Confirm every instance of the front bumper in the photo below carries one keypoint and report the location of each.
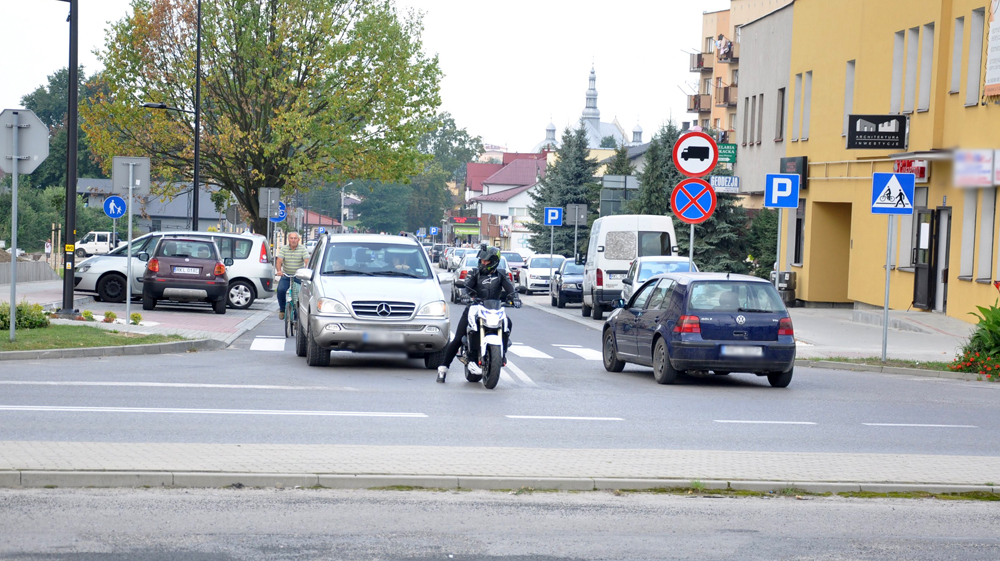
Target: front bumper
(572, 294)
(351, 334)
(536, 283)
(86, 282)
(706, 355)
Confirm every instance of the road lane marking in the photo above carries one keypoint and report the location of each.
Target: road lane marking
(558, 345)
(267, 344)
(506, 378)
(273, 412)
(557, 418)
(520, 374)
(524, 351)
(586, 354)
(173, 385)
(920, 425)
(765, 422)
(282, 337)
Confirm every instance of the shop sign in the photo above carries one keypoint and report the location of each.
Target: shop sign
(973, 168)
(919, 169)
(877, 132)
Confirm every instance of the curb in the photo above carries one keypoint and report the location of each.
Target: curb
(854, 367)
(78, 302)
(125, 479)
(129, 350)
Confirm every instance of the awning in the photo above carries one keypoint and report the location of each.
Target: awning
(930, 155)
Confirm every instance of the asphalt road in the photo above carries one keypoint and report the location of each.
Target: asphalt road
(230, 524)
(555, 393)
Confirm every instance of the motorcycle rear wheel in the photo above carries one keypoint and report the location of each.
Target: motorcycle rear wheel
(491, 367)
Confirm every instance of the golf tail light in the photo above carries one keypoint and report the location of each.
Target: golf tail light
(263, 253)
(600, 278)
(688, 324)
(153, 265)
(220, 269)
(785, 327)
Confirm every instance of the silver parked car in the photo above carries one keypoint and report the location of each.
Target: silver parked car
(368, 292)
(250, 277)
(644, 268)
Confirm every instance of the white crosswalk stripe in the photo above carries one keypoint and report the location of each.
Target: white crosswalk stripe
(586, 354)
(268, 344)
(524, 351)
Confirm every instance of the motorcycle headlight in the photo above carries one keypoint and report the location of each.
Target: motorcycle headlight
(434, 310)
(331, 307)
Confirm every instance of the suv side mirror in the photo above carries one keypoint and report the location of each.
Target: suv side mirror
(228, 261)
(304, 274)
(619, 303)
(143, 256)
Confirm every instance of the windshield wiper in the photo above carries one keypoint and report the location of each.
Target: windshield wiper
(349, 273)
(754, 311)
(395, 274)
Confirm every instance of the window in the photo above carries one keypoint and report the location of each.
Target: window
(908, 229)
(753, 116)
(746, 117)
(912, 44)
(760, 119)
(800, 229)
(718, 124)
(735, 81)
(639, 300)
(806, 102)
(102, 238)
(620, 245)
(956, 55)
(732, 121)
(968, 234)
(984, 271)
(518, 211)
(242, 249)
(975, 57)
(779, 123)
(926, 58)
(660, 295)
(848, 94)
(369, 258)
(707, 89)
(704, 123)
(897, 72)
(709, 45)
(157, 225)
(796, 104)
(732, 296)
(654, 243)
(225, 246)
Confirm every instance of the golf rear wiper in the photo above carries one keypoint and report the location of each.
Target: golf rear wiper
(754, 311)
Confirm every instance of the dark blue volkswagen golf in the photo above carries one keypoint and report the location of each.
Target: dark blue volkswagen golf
(702, 322)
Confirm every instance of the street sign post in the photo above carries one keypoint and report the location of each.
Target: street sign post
(22, 151)
(696, 154)
(693, 202)
(576, 213)
(136, 182)
(553, 217)
(434, 231)
(892, 194)
(781, 191)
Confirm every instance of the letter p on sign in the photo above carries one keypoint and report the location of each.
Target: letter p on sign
(781, 191)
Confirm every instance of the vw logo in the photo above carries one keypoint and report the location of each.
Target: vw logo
(741, 319)
(383, 310)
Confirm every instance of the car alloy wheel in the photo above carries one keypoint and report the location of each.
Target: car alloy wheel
(240, 295)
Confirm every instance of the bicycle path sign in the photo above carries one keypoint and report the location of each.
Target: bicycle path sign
(693, 201)
(892, 193)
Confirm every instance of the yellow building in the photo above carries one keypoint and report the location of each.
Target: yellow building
(923, 59)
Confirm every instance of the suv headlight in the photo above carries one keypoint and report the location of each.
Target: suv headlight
(434, 310)
(331, 307)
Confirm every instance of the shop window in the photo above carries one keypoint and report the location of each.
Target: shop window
(800, 229)
(984, 270)
(968, 234)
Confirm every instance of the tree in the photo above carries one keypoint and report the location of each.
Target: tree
(451, 146)
(721, 243)
(762, 241)
(620, 163)
(295, 93)
(659, 176)
(570, 180)
(608, 142)
(428, 198)
(384, 207)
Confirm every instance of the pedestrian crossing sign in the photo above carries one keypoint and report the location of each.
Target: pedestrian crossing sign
(892, 193)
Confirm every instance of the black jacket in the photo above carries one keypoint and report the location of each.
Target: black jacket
(495, 286)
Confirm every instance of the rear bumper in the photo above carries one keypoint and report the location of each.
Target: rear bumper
(605, 296)
(706, 355)
(267, 286)
(185, 291)
(350, 334)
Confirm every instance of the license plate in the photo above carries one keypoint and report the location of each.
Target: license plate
(382, 337)
(742, 350)
(614, 276)
(186, 270)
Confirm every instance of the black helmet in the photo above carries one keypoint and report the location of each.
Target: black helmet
(489, 259)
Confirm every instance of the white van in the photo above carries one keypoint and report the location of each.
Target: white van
(614, 242)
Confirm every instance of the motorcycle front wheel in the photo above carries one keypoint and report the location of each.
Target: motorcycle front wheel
(491, 367)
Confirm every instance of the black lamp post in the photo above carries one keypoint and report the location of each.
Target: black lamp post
(197, 121)
(71, 155)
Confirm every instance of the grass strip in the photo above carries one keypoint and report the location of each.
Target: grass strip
(77, 337)
(892, 362)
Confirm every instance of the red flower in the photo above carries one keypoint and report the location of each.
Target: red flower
(977, 355)
(996, 285)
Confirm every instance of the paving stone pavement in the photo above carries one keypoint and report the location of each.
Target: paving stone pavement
(498, 462)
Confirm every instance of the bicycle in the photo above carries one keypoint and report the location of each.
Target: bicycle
(291, 305)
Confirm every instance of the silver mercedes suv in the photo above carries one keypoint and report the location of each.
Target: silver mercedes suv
(368, 292)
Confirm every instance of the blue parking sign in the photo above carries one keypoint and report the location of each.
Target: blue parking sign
(553, 216)
(781, 190)
(434, 231)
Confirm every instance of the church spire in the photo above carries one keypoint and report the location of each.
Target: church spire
(590, 112)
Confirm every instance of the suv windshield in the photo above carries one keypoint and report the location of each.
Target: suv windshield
(375, 259)
(734, 296)
(543, 262)
(186, 248)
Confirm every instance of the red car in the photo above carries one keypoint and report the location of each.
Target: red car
(185, 270)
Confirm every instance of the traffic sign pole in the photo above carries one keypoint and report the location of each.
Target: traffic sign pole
(13, 233)
(777, 250)
(552, 247)
(885, 316)
(128, 263)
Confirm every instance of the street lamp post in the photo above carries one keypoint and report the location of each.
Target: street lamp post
(69, 283)
(343, 209)
(197, 121)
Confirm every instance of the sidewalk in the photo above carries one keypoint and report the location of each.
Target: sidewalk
(74, 464)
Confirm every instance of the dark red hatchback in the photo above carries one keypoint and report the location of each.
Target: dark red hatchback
(185, 270)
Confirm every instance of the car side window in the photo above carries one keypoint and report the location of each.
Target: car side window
(225, 246)
(639, 300)
(631, 270)
(660, 295)
(242, 249)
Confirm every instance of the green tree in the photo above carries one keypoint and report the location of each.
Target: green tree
(384, 207)
(570, 180)
(659, 176)
(295, 93)
(451, 146)
(429, 197)
(721, 242)
(608, 142)
(762, 241)
(620, 164)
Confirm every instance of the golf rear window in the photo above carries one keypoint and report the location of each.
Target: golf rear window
(733, 296)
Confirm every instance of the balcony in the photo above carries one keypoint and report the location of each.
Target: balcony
(730, 53)
(701, 103)
(726, 96)
(702, 62)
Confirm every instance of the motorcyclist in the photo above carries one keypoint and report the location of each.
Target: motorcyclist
(488, 282)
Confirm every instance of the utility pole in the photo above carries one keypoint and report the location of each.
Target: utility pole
(72, 127)
(197, 124)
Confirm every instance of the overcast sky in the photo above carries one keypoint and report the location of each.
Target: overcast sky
(509, 66)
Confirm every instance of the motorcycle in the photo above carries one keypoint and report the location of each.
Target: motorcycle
(488, 319)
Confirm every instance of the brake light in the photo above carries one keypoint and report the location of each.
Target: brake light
(785, 327)
(688, 324)
(510, 276)
(153, 265)
(461, 276)
(600, 278)
(220, 269)
(263, 253)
